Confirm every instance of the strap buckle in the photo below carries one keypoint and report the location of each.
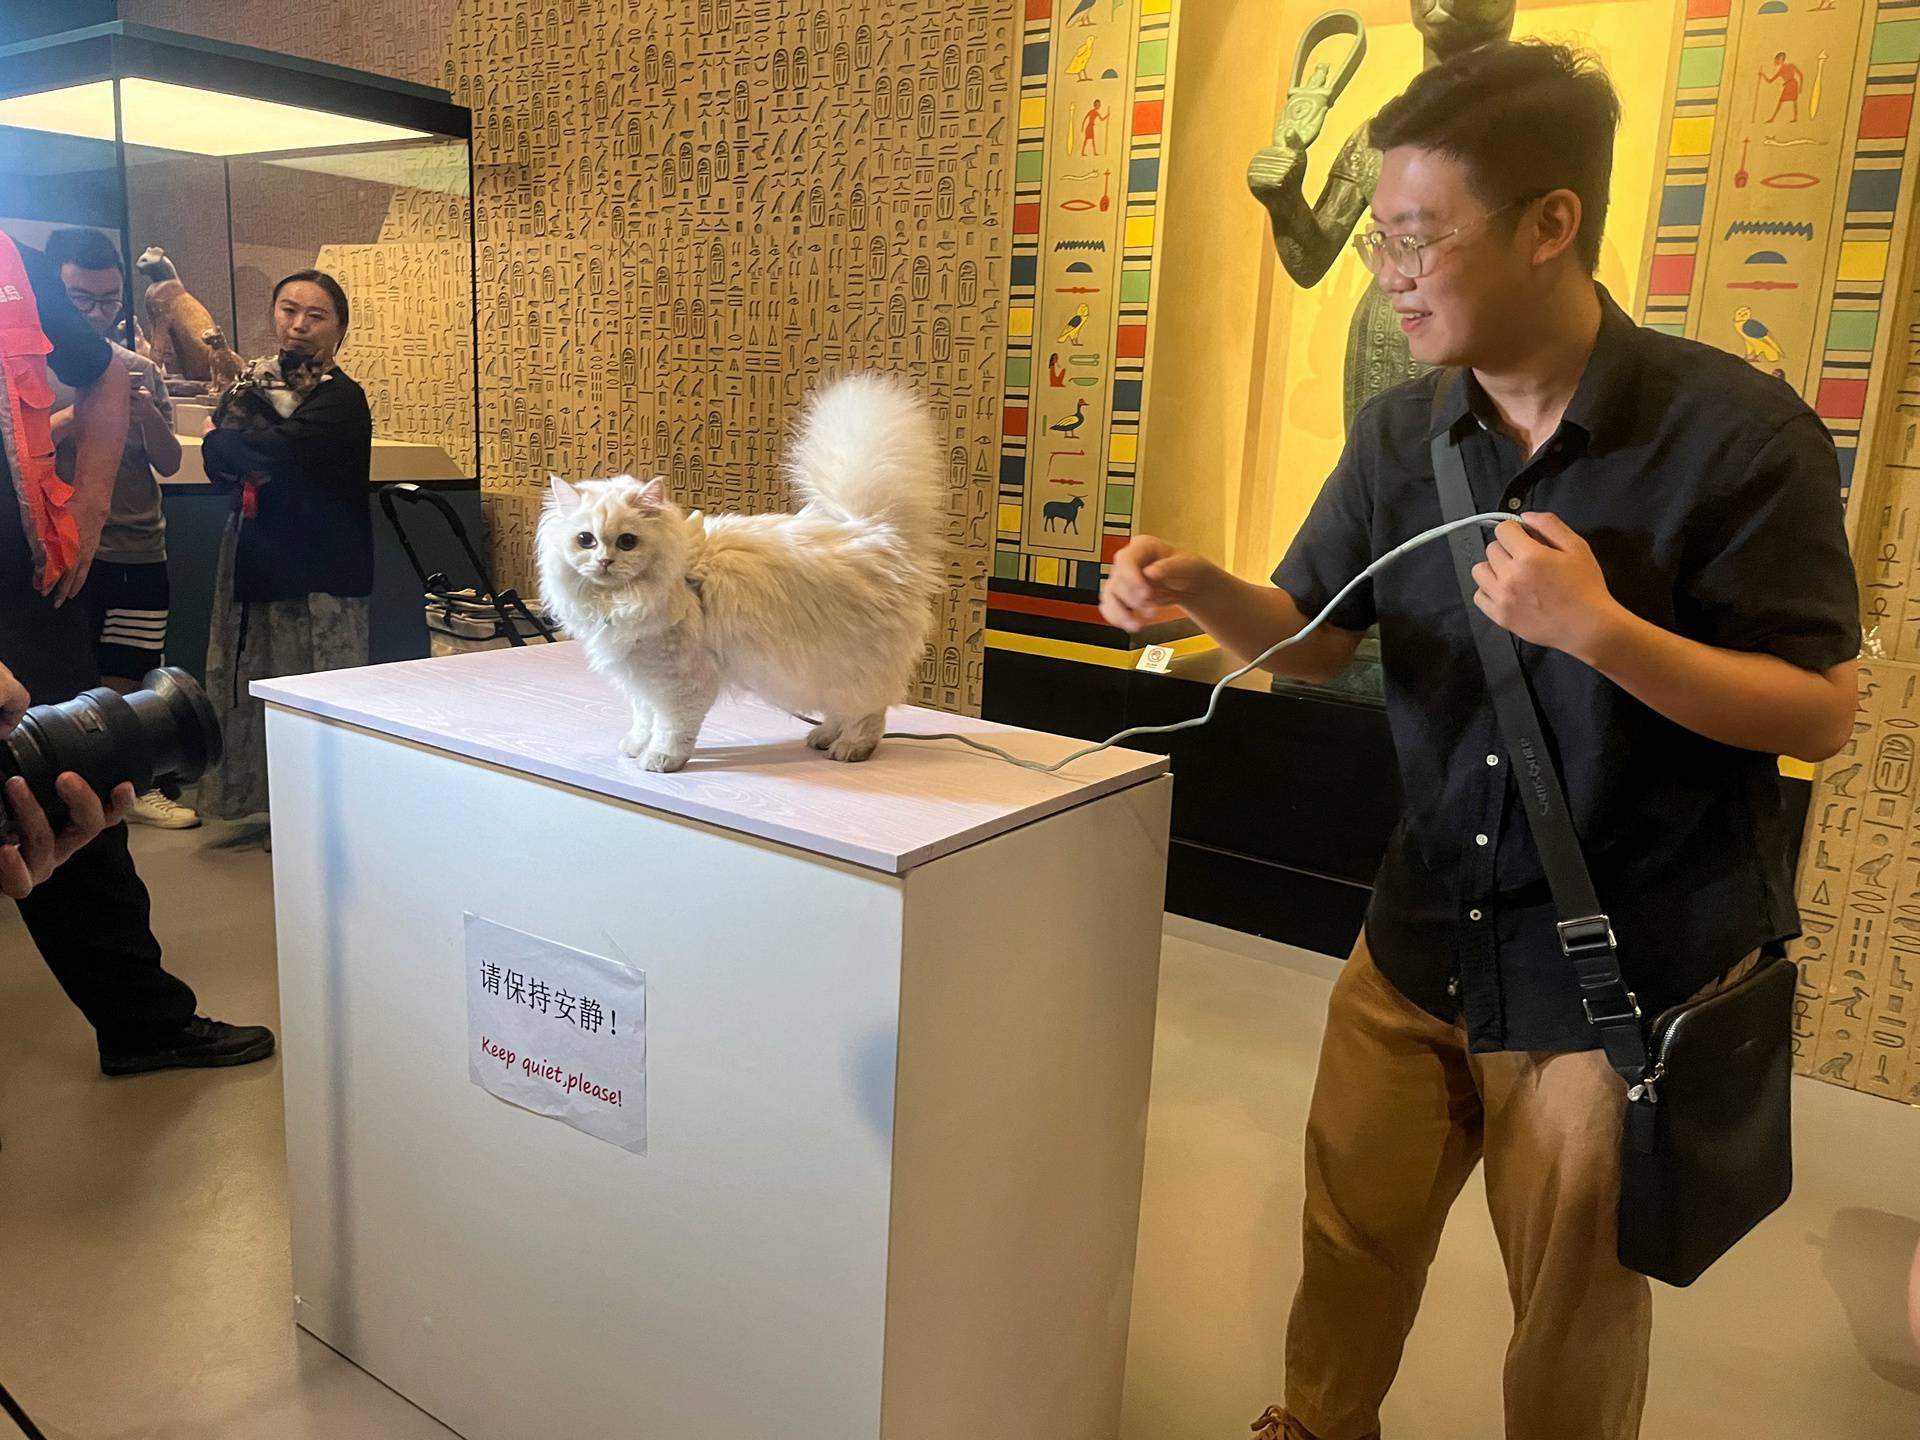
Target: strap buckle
(1590, 938)
(1590, 935)
(1632, 1012)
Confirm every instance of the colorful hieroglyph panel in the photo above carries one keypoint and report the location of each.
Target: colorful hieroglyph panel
(1788, 156)
(1092, 111)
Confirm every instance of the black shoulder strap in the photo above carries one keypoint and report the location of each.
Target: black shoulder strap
(1586, 936)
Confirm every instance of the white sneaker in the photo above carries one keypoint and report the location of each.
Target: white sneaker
(155, 809)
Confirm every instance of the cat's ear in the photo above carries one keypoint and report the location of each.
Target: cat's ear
(652, 495)
(561, 495)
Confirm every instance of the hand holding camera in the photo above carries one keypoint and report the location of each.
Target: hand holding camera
(35, 852)
(73, 769)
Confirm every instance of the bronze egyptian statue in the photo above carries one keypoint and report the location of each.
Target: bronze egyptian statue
(1309, 238)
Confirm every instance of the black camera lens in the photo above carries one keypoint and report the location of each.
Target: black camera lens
(167, 731)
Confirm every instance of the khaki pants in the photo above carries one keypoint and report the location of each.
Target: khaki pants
(1401, 1114)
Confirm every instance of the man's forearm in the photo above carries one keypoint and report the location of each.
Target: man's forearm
(162, 444)
(1753, 701)
(100, 435)
(1247, 618)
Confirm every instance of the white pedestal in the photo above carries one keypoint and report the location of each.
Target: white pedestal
(900, 1025)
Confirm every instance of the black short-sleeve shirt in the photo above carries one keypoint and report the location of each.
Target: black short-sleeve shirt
(1710, 494)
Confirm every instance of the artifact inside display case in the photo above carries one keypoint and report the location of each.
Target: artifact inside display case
(218, 169)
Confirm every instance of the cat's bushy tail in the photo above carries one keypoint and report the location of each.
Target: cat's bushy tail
(867, 451)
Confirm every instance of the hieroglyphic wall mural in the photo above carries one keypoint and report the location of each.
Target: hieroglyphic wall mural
(411, 339)
(1856, 1011)
(1856, 1016)
(403, 39)
(688, 211)
(1783, 232)
(1889, 497)
(1093, 111)
(1780, 234)
(411, 343)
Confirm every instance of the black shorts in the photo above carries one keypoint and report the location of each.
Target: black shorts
(127, 606)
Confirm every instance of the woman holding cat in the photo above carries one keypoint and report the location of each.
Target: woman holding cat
(296, 567)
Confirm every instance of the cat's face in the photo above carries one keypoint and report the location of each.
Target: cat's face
(302, 373)
(610, 533)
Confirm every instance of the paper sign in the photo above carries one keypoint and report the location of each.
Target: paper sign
(1155, 658)
(558, 1032)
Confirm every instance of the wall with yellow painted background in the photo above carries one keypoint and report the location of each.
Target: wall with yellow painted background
(1247, 392)
(1218, 316)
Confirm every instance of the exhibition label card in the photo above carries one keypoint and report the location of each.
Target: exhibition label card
(558, 1032)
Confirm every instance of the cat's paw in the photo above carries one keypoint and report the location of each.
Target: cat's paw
(852, 750)
(822, 736)
(665, 761)
(636, 743)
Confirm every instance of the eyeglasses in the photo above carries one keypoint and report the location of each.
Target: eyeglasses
(1408, 253)
(94, 304)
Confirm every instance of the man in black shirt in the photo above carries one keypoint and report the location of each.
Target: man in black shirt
(89, 918)
(1678, 578)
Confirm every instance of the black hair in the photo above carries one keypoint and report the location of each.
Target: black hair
(83, 249)
(326, 282)
(1525, 118)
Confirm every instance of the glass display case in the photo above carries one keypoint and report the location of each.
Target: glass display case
(226, 168)
(217, 169)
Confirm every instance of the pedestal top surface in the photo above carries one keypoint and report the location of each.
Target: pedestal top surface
(540, 710)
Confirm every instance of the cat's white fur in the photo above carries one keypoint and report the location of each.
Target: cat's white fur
(825, 612)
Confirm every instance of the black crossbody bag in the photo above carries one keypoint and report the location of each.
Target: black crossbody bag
(1707, 1151)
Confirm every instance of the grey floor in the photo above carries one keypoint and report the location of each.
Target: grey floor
(144, 1279)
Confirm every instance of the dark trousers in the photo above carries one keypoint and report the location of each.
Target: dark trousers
(90, 918)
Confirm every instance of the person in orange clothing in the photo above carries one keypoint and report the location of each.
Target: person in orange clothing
(89, 917)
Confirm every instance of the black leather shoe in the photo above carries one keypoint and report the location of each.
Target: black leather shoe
(200, 1044)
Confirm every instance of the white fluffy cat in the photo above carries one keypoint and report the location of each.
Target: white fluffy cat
(824, 612)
